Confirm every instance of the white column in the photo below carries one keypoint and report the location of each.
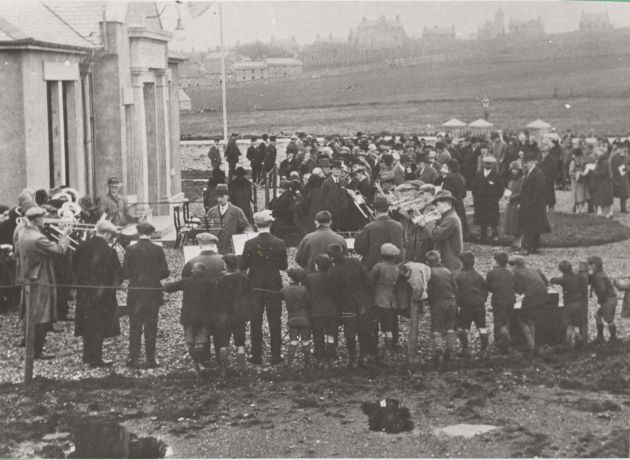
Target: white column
(139, 154)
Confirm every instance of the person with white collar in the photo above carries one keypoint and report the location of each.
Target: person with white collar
(226, 219)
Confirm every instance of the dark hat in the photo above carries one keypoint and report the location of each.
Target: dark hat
(284, 184)
(217, 139)
(296, 273)
(265, 137)
(444, 195)
(113, 181)
(421, 158)
(404, 158)
(234, 135)
(336, 164)
(253, 138)
(145, 228)
(231, 261)
(222, 189)
(323, 163)
(272, 138)
(240, 171)
(334, 250)
(381, 202)
(323, 217)
(519, 261)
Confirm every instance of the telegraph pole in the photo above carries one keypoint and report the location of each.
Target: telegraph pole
(223, 89)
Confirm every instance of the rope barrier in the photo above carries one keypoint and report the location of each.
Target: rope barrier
(90, 286)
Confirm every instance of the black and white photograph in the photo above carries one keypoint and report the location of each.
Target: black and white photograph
(314, 229)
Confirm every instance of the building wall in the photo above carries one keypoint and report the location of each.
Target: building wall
(175, 133)
(12, 140)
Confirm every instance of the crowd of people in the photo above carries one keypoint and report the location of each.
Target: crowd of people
(400, 200)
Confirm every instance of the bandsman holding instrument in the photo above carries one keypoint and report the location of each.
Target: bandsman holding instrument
(36, 255)
(114, 205)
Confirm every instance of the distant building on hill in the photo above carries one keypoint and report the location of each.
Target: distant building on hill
(379, 34)
(328, 40)
(439, 33)
(185, 104)
(595, 21)
(206, 71)
(493, 29)
(250, 70)
(267, 69)
(283, 67)
(526, 27)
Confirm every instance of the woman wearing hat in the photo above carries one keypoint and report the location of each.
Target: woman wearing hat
(487, 191)
(512, 195)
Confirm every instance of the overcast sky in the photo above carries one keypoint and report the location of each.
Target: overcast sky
(260, 20)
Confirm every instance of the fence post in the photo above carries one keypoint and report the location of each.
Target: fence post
(255, 190)
(267, 190)
(29, 339)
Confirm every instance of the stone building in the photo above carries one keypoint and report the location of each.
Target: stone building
(250, 70)
(90, 91)
(493, 29)
(595, 21)
(379, 34)
(526, 27)
(283, 67)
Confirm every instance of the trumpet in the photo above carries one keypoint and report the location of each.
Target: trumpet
(407, 201)
(71, 224)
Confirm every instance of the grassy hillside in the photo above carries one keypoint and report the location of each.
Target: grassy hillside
(524, 80)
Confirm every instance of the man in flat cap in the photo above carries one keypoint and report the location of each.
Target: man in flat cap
(487, 191)
(114, 205)
(144, 266)
(227, 219)
(97, 264)
(263, 258)
(35, 255)
(315, 243)
(382, 230)
(213, 261)
(532, 212)
(232, 155)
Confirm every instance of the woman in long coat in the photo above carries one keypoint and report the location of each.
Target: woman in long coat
(619, 163)
(241, 193)
(97, 264)
(578, 181)
(602, 197)
(513, 197)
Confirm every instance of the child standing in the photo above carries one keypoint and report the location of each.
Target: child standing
(472, 293)
(500, 283)
(235, 297)
(442, 292)
(195, 315)
(384, 278)
(606, 297)
(295, 300)
(323, 310)
(575, 296)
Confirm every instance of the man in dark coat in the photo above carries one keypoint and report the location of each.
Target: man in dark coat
(549, 167)
(96, 318)
(487, 192)
(261, 154)
(263, 258)
(312, 203)
(270, 155)
(144, 266)
(241, 194)
(445, 230)
(382, 230)
(316, 242)
(232, 155)
(226, 219)
(335, 196)
(254, 162)
(214, 154)
(619, 163)
(454, 182)
(532, 213)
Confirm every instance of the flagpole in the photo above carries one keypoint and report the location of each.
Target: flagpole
(223, 90)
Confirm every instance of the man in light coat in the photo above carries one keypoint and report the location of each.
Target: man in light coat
(226, 220)
(36, 253)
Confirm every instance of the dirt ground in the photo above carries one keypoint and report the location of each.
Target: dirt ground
(561, 404)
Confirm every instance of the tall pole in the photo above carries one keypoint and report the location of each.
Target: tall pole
(223, 91)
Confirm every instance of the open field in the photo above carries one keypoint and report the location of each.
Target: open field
(407, 99)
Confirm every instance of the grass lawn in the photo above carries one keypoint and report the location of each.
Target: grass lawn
(571, 230)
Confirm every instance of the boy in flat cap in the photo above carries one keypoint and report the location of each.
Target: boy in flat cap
(144, 266)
